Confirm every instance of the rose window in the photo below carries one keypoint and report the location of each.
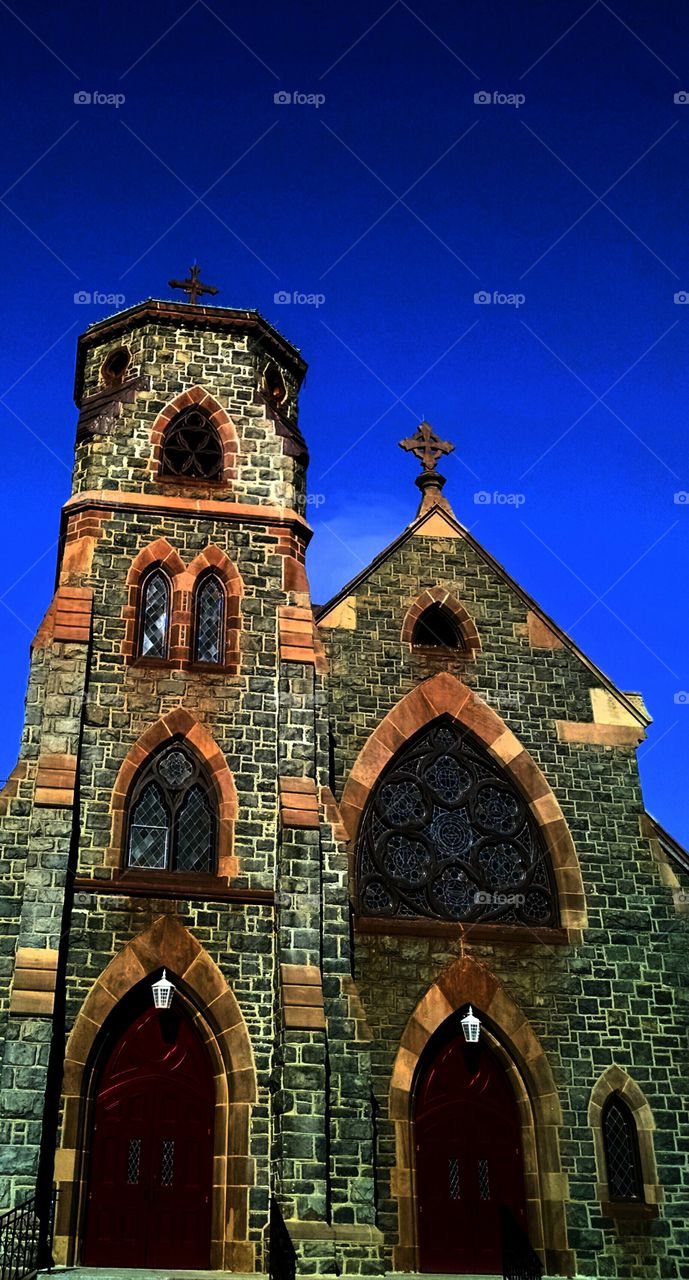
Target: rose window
(446, 834)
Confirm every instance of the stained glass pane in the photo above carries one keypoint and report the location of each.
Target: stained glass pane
(195, 833)
(149, 831)
(619, 1135)
(210, 611)
(191, 448)
(133, 1161)
(154, 617)
(167, 1164)
(483, 1183)
(447, 835)
(175, 768)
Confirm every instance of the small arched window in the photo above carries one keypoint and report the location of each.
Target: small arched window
(209, 621)
(436, 629)
(172, 817)
(154, 618)
(191, 447)
(274, 385)
(621, 1144)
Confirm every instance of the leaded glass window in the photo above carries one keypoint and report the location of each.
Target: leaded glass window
(155, 614)
(446, 834)
(191, 447)
(172, 819)
(209, 621)
(621, 1151)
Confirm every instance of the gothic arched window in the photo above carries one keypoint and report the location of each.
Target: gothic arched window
(446, 834)
(191, 447)
(172, 816)
(154, 618)
(209, 620)
(621, 1144)
(436, 629)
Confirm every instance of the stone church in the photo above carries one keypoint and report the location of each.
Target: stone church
(350, 913)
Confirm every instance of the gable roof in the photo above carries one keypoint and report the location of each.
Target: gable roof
(436, 513)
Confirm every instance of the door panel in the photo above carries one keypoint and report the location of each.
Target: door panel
(468, 1160)
(150, 1187)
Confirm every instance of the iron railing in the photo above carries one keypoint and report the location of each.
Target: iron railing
(282, 1257)
(25, 1240)
(519, 1262)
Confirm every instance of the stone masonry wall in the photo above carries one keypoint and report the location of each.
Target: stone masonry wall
(619, 998)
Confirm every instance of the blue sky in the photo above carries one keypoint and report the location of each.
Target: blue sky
(385, 191)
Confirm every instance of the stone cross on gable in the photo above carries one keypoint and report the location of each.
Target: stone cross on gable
(426, 446)
(193, 286)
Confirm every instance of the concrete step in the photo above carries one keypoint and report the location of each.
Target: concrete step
(143, 1273)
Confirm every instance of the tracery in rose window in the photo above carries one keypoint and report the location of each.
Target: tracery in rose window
(446, 834)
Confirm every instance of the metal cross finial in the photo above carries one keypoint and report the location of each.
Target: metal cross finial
(426, 446)
(193, 285)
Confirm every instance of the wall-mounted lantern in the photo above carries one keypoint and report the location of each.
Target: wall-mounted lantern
(163, 991)
(471, 1027)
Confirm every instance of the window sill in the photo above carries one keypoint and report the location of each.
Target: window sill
(629, 1210)
(194, 483)
(170, 884)
(229, 668)
(510, 934)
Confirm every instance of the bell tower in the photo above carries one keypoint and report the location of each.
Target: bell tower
(164, 812)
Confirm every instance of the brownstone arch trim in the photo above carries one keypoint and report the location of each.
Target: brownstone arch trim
(178, 724)
(211, 1004)
(466, 626)
(616, 1080)
(514, 1042)
(213, 560)
(219, 417)
(156, 555)
(444, 694)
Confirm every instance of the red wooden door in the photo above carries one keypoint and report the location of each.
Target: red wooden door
(468, 1160)
(149, 1202)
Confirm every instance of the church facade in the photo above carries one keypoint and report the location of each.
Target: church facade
(355, 909)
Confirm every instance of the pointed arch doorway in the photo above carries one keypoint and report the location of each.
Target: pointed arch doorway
(151, 1171)
(468, 1155)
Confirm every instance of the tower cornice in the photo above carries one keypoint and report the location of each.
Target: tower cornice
(183, 314)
